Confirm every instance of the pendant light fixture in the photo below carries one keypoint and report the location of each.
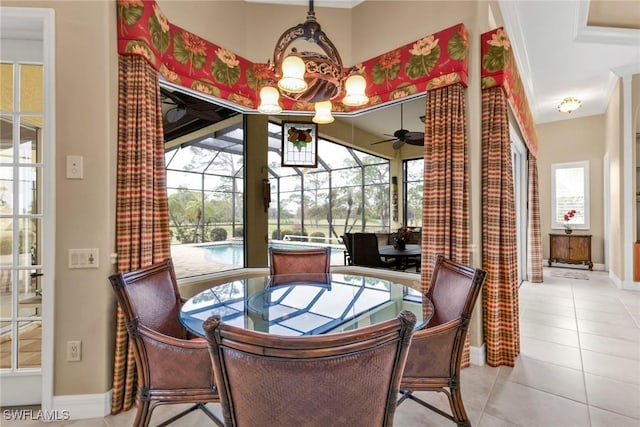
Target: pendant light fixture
(311, 76)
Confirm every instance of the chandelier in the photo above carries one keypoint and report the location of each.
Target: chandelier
(314, 77)
(569, 104)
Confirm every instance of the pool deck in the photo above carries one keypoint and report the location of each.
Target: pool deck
(189, 261)
(195, 260)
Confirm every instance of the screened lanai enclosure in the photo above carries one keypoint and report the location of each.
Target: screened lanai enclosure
(348, 191)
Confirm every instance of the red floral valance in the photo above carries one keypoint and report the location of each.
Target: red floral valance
(429, 63)
(499, 69)
(187, 60)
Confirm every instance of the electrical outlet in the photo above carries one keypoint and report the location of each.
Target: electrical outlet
(74, 167)
(74, 351)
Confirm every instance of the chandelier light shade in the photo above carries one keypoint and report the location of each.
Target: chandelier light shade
(355, 87)
(314, 77)
(292, 80)
(569, 105)
(323, 113)
(269, 96)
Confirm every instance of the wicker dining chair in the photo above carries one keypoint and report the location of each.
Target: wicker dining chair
(171, 367)
(436, 350)
(340, 379)
(287, 265)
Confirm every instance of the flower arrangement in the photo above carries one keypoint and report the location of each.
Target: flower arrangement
(403, 233)
(567, 217)
(401, 238)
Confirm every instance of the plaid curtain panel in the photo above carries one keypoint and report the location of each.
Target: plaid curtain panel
(142, 211)
(534, 235)
(499, 248)
(445, 206)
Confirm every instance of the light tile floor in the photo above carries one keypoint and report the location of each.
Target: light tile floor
(579, 365)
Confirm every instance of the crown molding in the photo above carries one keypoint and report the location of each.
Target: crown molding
(604, 35)
(519, 46)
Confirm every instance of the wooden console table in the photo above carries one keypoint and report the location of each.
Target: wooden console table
(570, 249)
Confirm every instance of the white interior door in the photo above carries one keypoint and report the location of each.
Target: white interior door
(26, 206)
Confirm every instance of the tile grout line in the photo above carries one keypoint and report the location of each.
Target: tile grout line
(628, 311)
(584, 374)
(484, 405)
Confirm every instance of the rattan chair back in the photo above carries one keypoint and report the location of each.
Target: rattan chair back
(171, 367)
(341, 379)
(436, 353)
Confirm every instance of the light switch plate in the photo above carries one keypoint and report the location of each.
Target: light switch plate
(74, 167)
(83, 258)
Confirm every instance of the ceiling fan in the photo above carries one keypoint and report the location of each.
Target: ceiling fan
(403, 136)
(182, 106)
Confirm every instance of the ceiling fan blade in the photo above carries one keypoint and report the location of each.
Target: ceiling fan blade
(418, 140)
(414, 138)
(398, 144)
(175, 114)
(384, 140)
(168, 95)
(208, 114)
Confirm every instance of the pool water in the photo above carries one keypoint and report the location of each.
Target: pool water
(226, 254)
(233, 254)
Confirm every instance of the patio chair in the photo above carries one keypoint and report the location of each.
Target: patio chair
(340, 379)
(365, 251)
(347, 239)
(172, 368)
(436, 351)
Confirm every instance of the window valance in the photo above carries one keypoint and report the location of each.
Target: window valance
(499, 69)
(185, 59)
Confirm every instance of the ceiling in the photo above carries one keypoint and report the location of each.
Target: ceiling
(572, 48)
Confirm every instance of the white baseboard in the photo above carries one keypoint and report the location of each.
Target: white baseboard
(478, 355)
(631, 286)
(626, 285)
(82, 406)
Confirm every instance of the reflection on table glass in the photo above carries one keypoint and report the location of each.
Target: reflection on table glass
(302, 307)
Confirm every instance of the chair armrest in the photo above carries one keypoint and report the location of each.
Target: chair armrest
(171, 341)
(434, 330)
(176, 363)
(430, 353)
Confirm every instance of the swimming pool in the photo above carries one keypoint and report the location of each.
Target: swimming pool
(233, 253)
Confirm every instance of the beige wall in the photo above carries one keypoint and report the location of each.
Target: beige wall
(571, 141)
(210, 20)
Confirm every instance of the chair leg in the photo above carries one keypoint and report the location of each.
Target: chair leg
(142, 414)
(457, 408)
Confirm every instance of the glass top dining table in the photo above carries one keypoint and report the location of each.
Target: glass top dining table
(304, 304)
